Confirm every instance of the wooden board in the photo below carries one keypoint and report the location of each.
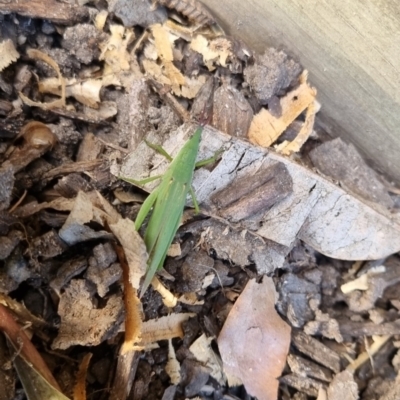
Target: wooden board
(351, 49)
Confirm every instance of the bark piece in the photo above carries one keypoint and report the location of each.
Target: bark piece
(303, 367)
(296, 294)
(67, 271)
(192, 9)
(305, 385)
(6, 185)
(103, 271)
(342, 162)
(232, 112)
(9, 242)
(271, 72)
(136, 12)
(48, 245)
(89, 148)
(357, 329)
(343, 387)
(132, 114)
(82, 40)
(251, 195)
(202, 107)
(316, 351)
(240, 247)
(52, 10)
(70, 185)
(194, 376)
(377, 282)
(195, 267)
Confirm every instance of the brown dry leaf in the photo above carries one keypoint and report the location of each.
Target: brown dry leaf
(8, 52)
(175, 76)
(164, 328)
(60, 204)
(60, 103)
(254, 341)
(23, 314)
(134, 248)
(128, 197)
(266, 128)
(75, 229)
(102, 204)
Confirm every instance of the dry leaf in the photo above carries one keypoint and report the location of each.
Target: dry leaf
(288, 148)
(75, 229)
(222, 46)
(128, 197)
(254, 340)
(266, 128)
(60, 204)
(320, 213)
(134, 248)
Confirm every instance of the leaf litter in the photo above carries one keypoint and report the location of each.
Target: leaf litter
(285, 286)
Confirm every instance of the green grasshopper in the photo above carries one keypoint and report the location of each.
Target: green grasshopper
(168, 201)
